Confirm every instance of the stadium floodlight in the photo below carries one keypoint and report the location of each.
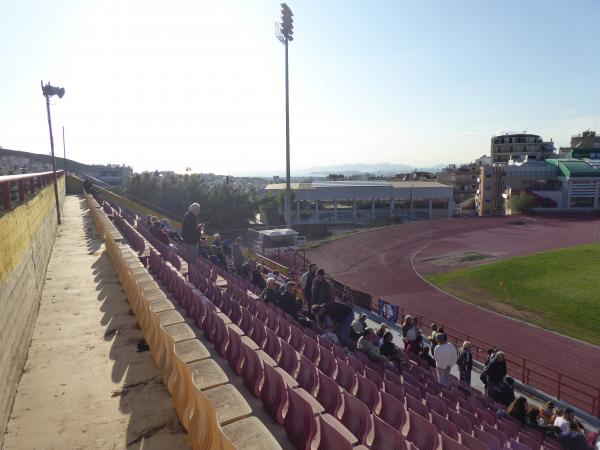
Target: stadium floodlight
(285, 32)
(50, 91)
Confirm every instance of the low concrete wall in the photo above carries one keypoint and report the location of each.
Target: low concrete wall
(27, 234)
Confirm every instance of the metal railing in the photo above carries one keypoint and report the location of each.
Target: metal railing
(15, 189)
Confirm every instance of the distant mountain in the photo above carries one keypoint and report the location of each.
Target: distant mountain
(376, 169)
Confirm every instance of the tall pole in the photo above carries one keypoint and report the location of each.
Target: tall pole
(288, 194)
(64, 151)
(53, 160)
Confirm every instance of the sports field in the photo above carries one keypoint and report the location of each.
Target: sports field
(558, 290)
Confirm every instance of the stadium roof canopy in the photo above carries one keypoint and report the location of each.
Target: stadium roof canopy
(572, 168)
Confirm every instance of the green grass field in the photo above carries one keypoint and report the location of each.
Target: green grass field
(557, 290)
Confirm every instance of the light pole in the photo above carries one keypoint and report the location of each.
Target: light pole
(49, 91)
(285, 34)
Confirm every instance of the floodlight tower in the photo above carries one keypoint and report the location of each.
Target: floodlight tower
(50, 91)
(285, 32)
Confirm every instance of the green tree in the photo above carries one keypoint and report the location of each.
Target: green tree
(521, 203)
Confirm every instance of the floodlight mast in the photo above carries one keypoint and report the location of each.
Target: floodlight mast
(285, 32)
(49, 91)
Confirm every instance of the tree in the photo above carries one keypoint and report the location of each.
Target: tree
(521, 203)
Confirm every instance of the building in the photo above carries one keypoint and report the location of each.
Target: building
(559, 185)
(111, 174)
(463, 178)
(520, 147)
(587, 139)
(585, 145)
(361, 202)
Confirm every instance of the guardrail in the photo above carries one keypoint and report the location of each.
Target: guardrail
(19, 188)
(563, 387)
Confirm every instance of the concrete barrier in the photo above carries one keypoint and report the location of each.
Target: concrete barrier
(27, 234)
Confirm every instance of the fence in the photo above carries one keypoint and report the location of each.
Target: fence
(18, 188)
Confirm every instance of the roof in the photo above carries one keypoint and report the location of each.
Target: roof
(279, 232)
(572, 168)
(359, 184)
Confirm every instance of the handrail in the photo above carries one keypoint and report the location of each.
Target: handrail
(27, 185)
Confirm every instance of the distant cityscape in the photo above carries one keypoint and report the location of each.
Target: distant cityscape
(519, 166)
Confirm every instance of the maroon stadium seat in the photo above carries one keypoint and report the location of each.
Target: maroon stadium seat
(444, 425)
(422, 433)
(386, 437)
(462, 422)
(346, 376)
(327, 362)
(438, 405)
(273, 394)
(288, 360)
(311, 349)
(329, 394)
(417, 406)
(451, 444)
(393, 389)
(334, 435)
(392, 411)
(307, 375)
(495, 432)
(300, 422)
(367, 392)
(488, 439)
(356, 417)
(272, 345)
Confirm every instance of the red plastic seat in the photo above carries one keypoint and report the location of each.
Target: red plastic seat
(235, 356)
(386, 437)
(488, 439)
(258, 334)
(472, 417)
(327, 362)
(412, 390)
(296, 338)
(329, 394)
(444, 425)
(220, 335)
(462, 422)
(272, 320)
(392, 411)
(393, 389)
(367, 392)
(374, 376)
(438, 405)
(394, 378)
(422, 433)
(467, 405)
(451, 444)
(417, 406)
(272, 345)
(246, 321)
(340, 353)
(273, 395)
(359, 367)
(326, 343)
(515, 445)
(307, 375)
(529, 441)
(508, 428)
(283, 330)
(252, 370)
(311, 349)
(288, 359)
(411, 379)
(261, 312)
(356, 417)
(495, 432)
(345, 376)
(486, 416)
(472, 443)
(300, 422)
(334, 435)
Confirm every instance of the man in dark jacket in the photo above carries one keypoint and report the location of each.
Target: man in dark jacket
(465, 362)
(322, 292)
(287, 299)
(191, 231)
(340, 314)
(306, 282)
(494, 371)
(238, 256)
(270, 293)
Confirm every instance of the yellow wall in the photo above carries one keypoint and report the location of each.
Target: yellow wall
(19, 225)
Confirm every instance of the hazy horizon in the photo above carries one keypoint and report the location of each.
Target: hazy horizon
(200, 84)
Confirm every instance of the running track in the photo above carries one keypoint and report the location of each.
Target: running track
(384, 263)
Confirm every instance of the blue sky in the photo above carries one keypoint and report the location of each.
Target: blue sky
(200, 83)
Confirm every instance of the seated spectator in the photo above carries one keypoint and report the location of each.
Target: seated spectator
(322, 292)
(217, 240)
(347, 296)
(339, 314)
(383, 328)
(166, 226)
(257, 277)
(331, 337)
(445, 357)
(425, 356)
(573, 438)
(518, 410)
(270, 293)
(389, 349)
(287, 299)
(503, 392)
(547, 413)
(358, 327)
(563, 421)
(367, 345)
(158, 233)
(533, 420)
(203, 249)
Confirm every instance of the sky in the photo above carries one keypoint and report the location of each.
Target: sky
(200, 84)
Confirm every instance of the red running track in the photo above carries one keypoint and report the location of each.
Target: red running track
(384, 263)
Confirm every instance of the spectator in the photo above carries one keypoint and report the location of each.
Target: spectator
(157, 231)
(287, 300)
(547, 413)
(503, 392)
(490, 353)
(367, 345)
(409, 333)
(425, 356)
(445, 357)
(406, 326)
(563, 421)
(465, 362)
(203, 249)
(306, 282)
(495, 371)
(331, 337)
(533, 420)
(191, 231)
(347, 297)
(149, 220)
(572, 438)
(359, 326)
(389, 349)
(166, 226)
(270, 293)
(238, 256)
(518, 410)
(340, 314)
(217, 240)
(383, 328)
(322, 292)
(431, 337)
(257, 277)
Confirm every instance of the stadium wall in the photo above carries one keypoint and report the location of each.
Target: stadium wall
(27, 235)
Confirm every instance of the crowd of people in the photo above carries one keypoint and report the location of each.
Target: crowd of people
(311, 300)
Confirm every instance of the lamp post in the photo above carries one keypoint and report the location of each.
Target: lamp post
(49, 91)
(285, 32)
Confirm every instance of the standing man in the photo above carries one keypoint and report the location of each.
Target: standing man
(238, 255)
(465, 362)
(340, 314)
(306, 282)
(192, 231)
(445, 357)
(322, 292)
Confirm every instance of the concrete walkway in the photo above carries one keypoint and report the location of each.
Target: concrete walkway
(85, 384)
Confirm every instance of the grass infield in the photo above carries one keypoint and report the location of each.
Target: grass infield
(558, 290)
